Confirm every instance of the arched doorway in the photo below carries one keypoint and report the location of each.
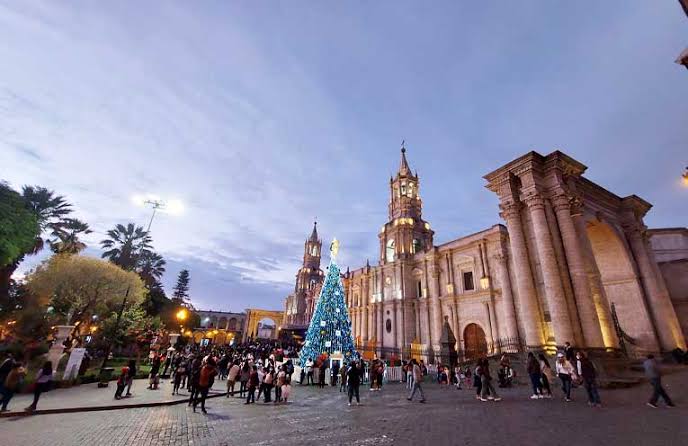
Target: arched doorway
(620, 286)
(266, 328)
(474, 340)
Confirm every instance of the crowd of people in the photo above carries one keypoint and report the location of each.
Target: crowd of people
(263, 370)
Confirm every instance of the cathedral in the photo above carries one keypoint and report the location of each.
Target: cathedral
(573, 263)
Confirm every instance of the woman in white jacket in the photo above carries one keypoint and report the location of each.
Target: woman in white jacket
(567, 373)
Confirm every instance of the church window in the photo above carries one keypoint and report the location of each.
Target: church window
(410, 190)
(403, 189)
(314, 251)
(419, 289)
(417, 247)
(468, 281)
(390, 251)
(388, 325)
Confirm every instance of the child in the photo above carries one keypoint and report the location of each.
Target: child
(121, 382)
(178, 374)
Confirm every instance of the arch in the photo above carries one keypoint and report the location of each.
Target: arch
(475, 342)
(222, 323)
(614, 266)
(232, 324)
(266, 328)
(254, 316)
(390, 253)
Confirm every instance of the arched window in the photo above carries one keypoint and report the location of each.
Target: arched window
(232, 325)
(314, 250)
(417, 246)
(390, 251)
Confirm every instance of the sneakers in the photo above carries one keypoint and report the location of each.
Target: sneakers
(549, 396)
(654, 406)
(534, 397)
(497, 399)
(541, 396)
(483, 399)
(357, 403)
(568, 400)
(349, 404)
(490, 398)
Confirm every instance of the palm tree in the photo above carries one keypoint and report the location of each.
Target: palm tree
(151, 268)
(66, 236)
(125, 245)
(50, 209)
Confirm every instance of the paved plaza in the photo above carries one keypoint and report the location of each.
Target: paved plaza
(321, 417)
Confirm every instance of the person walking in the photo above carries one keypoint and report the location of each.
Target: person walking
(43, 380)
(477, 382)
(334, 373)
(268, 380)
(121, 382)
(252, 384)
(586, 370)
(321, 375)
(131, 375)
(232, 375)
(194, 376)
(566, 374)
(546, 374)
(286, 389)
(342, 380)
(417, 376)
(309, 372)
(654, 374)
(206, 378)
(533, 368)
(11, 383)
(279, 383)
(486, 383)
(154, 379)
(353, 379)
(179, 373)
(244, 376)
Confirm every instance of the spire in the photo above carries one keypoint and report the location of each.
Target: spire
(404, 169)
(314, 234)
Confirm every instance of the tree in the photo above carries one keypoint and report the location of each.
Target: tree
(78, 287)
(66, 236)
(18, 226)
(330, 328)
(125, 245)
(151, 268)
(48, 209)
(180, 295)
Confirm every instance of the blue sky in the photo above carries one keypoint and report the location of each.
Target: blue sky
(261, 115)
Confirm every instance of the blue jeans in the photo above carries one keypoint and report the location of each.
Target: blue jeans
(593, 394)
(566, 384)
(658, 390)
(537, 385)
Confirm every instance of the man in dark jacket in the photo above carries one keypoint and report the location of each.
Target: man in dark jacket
(353, 379)
(653, 373)
(586, 370)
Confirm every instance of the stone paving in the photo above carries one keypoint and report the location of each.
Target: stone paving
(89, 395)
(321, 417)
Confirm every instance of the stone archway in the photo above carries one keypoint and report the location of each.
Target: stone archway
(254, 316)
(614, 269)
(475, 342)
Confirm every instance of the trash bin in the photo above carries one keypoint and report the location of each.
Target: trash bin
(104, 377)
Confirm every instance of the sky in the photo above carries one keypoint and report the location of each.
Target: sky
(261, 116)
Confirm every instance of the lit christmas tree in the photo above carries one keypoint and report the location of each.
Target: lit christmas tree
(330, 330)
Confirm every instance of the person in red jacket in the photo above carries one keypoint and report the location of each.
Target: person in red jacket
(205, 382)
(121, 382)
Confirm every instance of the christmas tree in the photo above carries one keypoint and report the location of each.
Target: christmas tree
(330, 330)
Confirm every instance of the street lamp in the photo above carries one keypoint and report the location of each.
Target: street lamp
(685, 177)
(181, 317)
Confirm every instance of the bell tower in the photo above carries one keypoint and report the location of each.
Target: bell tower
(406, 233)
(308, 278)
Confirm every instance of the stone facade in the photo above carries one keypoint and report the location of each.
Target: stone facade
(571, 253)
(670, 246)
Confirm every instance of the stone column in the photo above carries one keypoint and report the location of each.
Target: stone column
(399, 325)
(590, 322)
(393, 315)
(380, 323)
(455, 314)
(416, 314)
(508, 310)
(364, 329)
(528, 306)
(554, 291)
(663, 314)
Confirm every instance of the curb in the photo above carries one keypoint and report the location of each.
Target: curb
(104, 408)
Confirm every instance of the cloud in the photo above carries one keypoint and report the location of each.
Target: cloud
(261, 118)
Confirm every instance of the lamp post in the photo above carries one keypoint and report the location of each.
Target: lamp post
(155, 204)
(181, 317)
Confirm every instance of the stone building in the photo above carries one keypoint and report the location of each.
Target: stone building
(299, 305)
(572, 263)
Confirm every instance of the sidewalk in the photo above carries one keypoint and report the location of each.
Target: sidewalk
(88, 397)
